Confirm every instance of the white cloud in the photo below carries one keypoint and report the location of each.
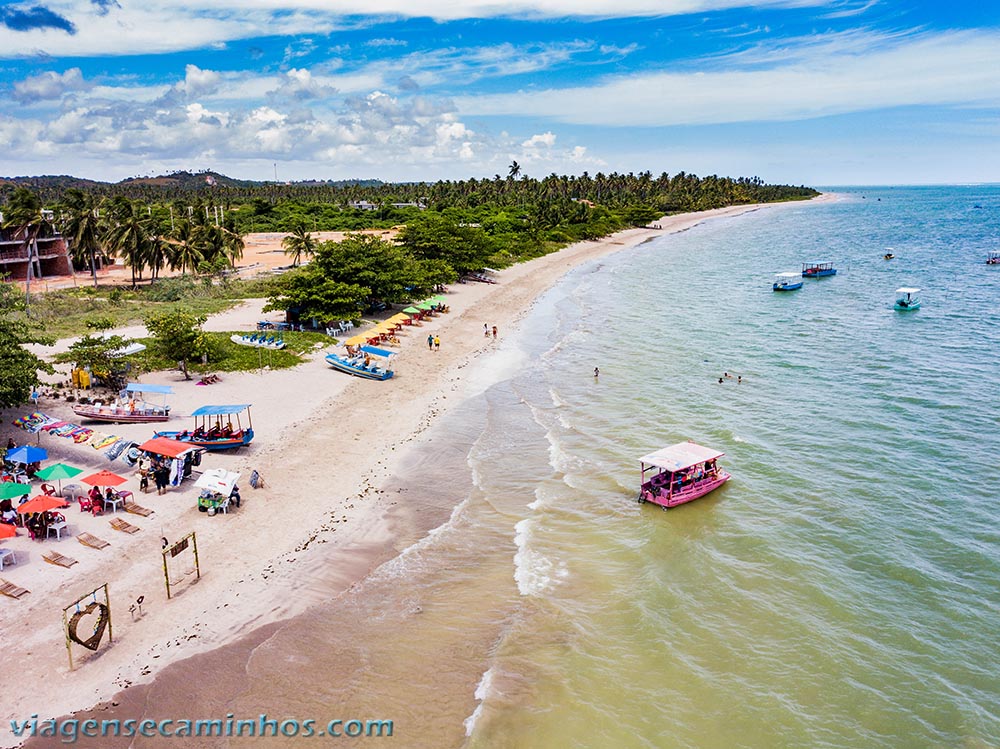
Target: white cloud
(154, 26)
(544, 140)
(385, 43)
(49, 85)
(197, 81)
(838, 75)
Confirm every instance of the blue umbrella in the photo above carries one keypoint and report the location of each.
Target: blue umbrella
(26, 454)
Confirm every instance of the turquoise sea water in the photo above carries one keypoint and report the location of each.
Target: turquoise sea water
(842, 590)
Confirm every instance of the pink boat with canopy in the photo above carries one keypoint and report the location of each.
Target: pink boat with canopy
(680, 473)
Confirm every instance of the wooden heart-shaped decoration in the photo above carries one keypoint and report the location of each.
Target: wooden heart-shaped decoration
(100, 625)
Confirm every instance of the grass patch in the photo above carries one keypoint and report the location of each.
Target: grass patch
(226, 356)
(65, 313)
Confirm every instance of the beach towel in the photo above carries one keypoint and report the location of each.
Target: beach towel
(81, 435)
(99, 441)
(117, 449)
(51, 425)
(131, 454)
(33, 422)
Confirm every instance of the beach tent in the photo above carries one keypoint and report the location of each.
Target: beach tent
(219, 480)
(166, 446)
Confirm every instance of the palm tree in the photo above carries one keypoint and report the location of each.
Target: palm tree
(299, 243)
(128, 234)
(514, 170)
(83, 227)
(185, 244)
(25, 215)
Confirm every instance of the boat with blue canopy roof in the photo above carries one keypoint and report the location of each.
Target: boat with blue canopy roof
(214, 430)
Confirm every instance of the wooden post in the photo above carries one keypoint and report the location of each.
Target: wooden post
(197, 564)
(69, 642)
(107, 602)
(166, 574)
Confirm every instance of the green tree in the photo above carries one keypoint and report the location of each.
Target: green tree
(385, 268)
(83, 228)
(436, 237)
(309, 294)
(101, 354)
(299, 243)
(178, 336)
(25, 215)
(19, 366)
(128, 234)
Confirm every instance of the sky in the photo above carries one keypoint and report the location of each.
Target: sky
(815, 92)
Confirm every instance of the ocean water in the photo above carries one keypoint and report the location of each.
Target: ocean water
(840, 591)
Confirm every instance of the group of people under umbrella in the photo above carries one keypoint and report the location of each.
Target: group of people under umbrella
(39, 513)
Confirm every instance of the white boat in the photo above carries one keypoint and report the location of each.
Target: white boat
(788, 281)
(258, 340)
(907, 299)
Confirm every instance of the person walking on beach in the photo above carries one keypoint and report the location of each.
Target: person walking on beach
(597, 373)
(430, 341)
(486, 330)
(437, 343)
(494, 332)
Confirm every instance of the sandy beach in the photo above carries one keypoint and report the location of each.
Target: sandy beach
(325, 444)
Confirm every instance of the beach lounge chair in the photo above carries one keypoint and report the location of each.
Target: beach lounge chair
(8, 588)
(135, 509)
(54, 557)
(92, 541)
(124, 526)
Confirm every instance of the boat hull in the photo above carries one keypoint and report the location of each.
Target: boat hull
(218, 444)
(786, 287)
(906, 307)
(699, 489)
(342, 365)
(112, 417)
(243, 341)
(819, 273)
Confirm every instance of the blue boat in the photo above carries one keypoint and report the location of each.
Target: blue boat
(906, 299)
(368, 362)
(786, 282)
(211, 433)
(818, 270)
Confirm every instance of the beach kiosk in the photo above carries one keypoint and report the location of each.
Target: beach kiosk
(165, 449)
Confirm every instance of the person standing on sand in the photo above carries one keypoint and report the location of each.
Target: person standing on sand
(437, 343)
(494, 332)
(486, 330)
(597, 373)
(430, 341)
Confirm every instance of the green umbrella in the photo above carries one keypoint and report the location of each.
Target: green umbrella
(439, 299)
(412, 310)
(58, 471)
(10, 489)
(425, 305)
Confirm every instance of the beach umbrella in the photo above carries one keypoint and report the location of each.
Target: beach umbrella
(11, 489)
(41, 503)
(412, 310)
(218, 480)
(58, 472)
(104, 478)
(7, 531)
(26, 454)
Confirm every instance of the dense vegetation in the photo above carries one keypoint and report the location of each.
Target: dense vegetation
(195, 223)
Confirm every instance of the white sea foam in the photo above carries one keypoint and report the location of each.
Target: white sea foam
(481, 693)
(533, 571)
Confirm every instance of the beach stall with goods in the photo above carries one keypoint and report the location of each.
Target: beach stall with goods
(219, 491)
(173, 460)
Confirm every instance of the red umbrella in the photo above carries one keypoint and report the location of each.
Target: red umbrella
(7, 531)
(41, 503)
(104, 478)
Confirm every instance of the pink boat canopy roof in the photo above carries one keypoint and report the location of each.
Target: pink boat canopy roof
(680, 456)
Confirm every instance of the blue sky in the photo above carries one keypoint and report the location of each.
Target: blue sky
(819, 92)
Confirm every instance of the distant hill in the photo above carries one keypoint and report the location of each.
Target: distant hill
(50, 187)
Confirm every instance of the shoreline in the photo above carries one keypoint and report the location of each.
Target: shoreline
(346, 439)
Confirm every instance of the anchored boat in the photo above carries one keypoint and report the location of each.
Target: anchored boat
(786, 282)
(368, 362)
(211, 433)
(258, 340)
(993, 258)
(818, 270)
(131, 407)
(907, 299)
(680, 473)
